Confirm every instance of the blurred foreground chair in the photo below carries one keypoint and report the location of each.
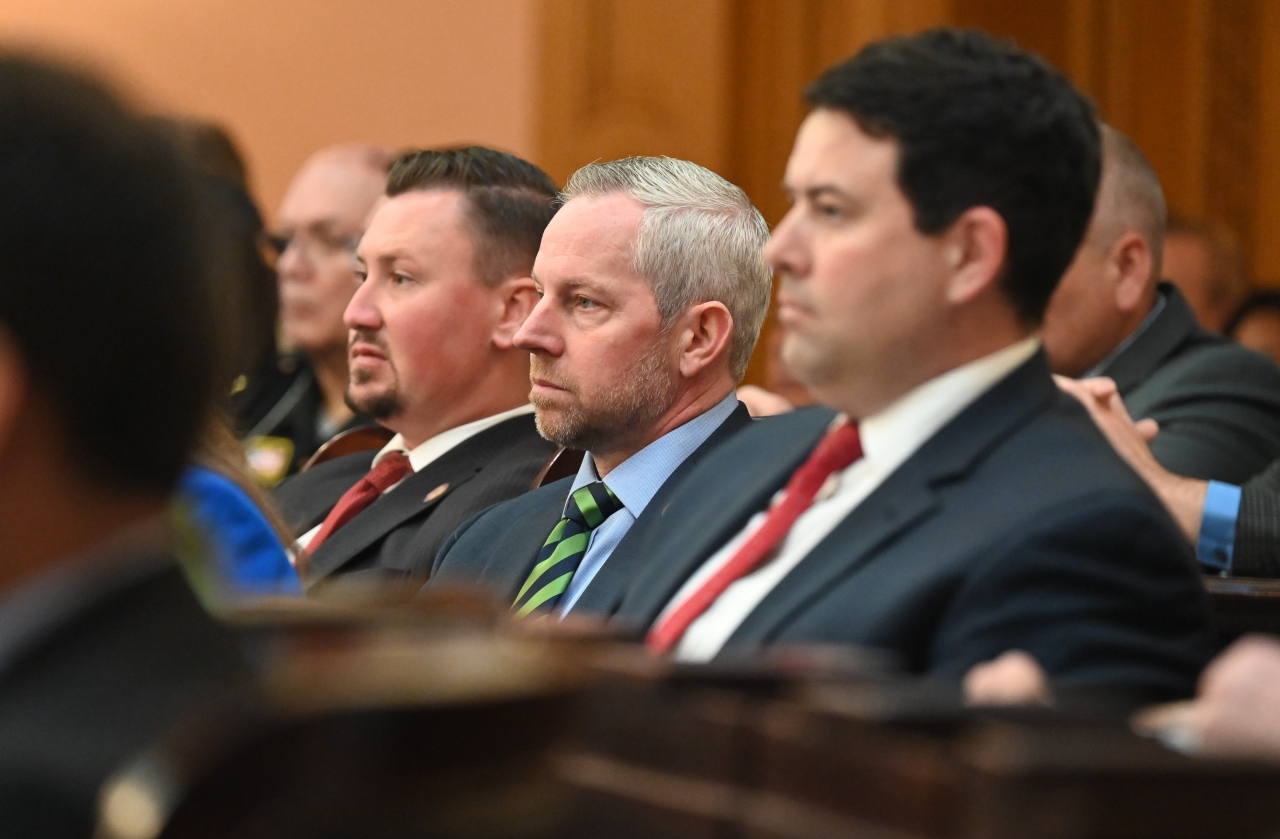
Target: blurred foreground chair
(392, 730)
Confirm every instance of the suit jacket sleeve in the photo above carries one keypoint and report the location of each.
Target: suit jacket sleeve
(1097, 605)
(1257, 548)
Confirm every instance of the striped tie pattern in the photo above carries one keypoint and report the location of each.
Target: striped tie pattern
(586, 509)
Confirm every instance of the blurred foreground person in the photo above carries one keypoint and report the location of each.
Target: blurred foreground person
(106, 366)
(1218, 404)
(960, 506)
(1205, 262)
(289, 410)
(1235, 528)
(652, 294)
(444, 287)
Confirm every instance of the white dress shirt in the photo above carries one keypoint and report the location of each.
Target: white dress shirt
(423, 454)
(888, 439)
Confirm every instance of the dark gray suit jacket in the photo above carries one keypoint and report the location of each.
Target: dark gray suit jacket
(497, 548)
(398, 535)
(1257, 548)
(119, 658)
(1014, 527)
(1218, 404)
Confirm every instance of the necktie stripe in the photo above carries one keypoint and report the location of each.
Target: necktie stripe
(575, 543)
(555, 588)
(585, 510)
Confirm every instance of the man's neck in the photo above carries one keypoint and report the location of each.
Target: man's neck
(693, 402)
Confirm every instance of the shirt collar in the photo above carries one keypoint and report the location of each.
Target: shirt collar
(1100, 368)
(892, 435)
(638, 478)
(445, 440)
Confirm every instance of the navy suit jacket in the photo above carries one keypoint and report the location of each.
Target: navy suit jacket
(398, 535)
(1014, 527)
(498, 548)
(1218, 404)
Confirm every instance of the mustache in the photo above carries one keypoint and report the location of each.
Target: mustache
(366, 336)
(543, 368)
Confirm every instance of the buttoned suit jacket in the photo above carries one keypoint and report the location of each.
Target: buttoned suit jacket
(1016, 526)
(128, 656)
(399, 534)
(1218, 404)
(497, 549)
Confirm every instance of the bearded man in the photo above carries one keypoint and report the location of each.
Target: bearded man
(653, 290)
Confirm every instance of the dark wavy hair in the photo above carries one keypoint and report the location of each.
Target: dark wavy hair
(979, 122)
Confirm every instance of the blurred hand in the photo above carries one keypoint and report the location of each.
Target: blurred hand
(1014, 678)
(1183, 497)
(1237, 714)
(762, 403)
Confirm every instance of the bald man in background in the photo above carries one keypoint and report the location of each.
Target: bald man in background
(291, 409)
(1217, 404)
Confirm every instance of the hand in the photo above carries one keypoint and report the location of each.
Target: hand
(1014, 678)
(762, 403)
(1183, 497)
(1237, 714)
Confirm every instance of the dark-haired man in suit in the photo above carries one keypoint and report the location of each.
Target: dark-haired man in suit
(444, 285)
(960, 506)
(653, 291)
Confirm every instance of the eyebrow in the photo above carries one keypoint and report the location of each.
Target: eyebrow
(821, 191)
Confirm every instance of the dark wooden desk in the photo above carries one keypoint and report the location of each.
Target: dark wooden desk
(1244, 604)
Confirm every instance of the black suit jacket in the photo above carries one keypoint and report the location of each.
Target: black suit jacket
(1014, 527)
(399, 534)
(1257, 547)
(1218, 404)
(497, 548)
(120, 658)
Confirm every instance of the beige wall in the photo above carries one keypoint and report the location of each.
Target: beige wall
(290, 76)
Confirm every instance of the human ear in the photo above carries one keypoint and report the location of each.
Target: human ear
(976, 246)
(1130, 259)
(706, 332)
(515, 298)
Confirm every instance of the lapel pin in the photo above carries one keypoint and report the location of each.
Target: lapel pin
(435, 493)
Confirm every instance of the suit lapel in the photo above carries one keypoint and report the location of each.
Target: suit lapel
(751, 484)
(419, 493)
(605, 592)
(906, 498)
(1174, 325)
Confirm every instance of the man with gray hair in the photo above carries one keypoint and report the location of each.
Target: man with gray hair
(653, 291)
(1217, 404)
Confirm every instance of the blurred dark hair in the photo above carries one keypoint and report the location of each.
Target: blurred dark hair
(102, 274)
(1258, 301)
(979, 122)
(509, 201)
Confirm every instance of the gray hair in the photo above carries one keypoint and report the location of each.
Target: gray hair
(700, 239)
(1129, 197)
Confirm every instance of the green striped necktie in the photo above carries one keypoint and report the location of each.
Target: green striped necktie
(561, 554)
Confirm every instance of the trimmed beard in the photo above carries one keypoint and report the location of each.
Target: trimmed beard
(380, 406)
(632, 403)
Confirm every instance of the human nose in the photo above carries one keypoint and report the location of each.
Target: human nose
(362, 312)
(784, 252)
(538, 333)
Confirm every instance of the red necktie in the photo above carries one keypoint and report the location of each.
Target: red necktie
(839, 448)
(389, 472)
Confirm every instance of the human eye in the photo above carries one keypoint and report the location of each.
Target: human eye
(360, 275)
(585, 303)
(398, 279)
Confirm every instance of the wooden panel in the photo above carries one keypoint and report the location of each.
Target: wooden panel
(625, 77)
(1266, 220)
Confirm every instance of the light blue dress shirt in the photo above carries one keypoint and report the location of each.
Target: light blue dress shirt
(1216, 543)
(634, 482)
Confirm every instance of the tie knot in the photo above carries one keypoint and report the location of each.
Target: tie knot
(590, 505)
(389, 471)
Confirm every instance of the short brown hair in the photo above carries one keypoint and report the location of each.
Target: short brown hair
(509, 201)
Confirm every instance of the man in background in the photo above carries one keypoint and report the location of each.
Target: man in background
(444, 286)
(102, 644)
(1204, 260)
(290, 409)
(652, 294)
(1217, 404)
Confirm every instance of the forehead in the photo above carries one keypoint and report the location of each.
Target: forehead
(832, 151)
(590, 236)
(417, 223)
(331, 189)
